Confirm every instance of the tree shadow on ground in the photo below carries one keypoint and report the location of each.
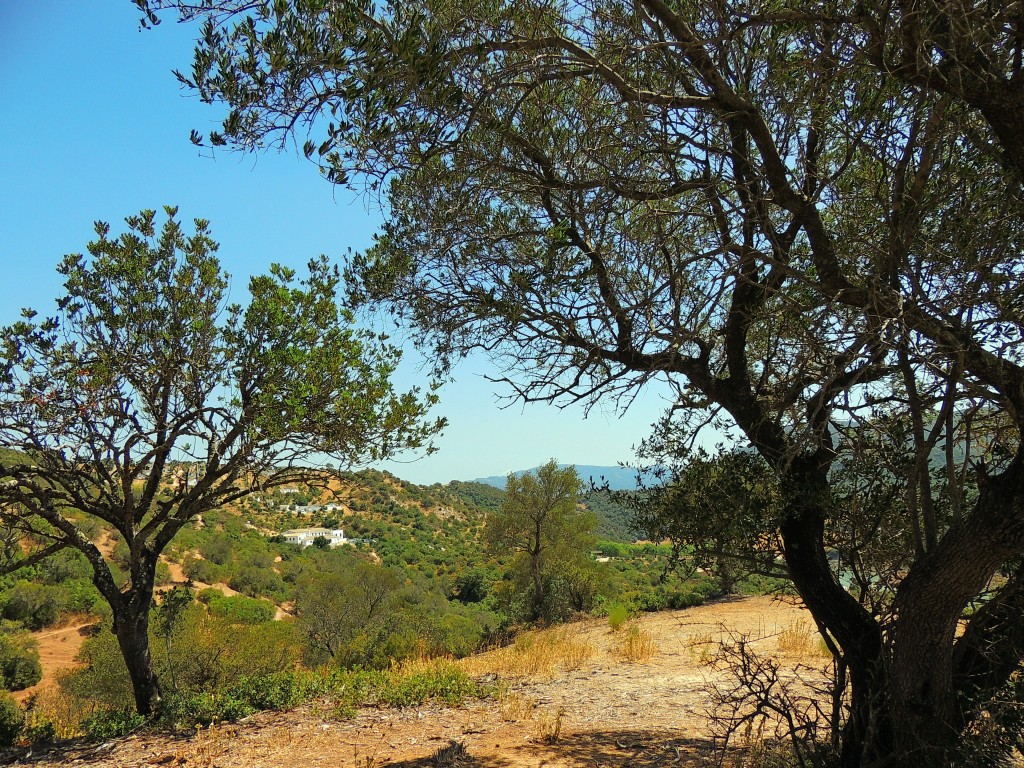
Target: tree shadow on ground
(636, 749)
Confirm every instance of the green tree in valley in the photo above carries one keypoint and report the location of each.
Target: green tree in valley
(542, 522)
(336, 607)
(146, 400)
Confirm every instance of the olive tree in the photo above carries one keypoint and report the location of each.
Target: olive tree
(147, 400)
(807, 220)
(541, 521)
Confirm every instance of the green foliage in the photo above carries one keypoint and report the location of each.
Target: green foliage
(442, 683)
(724, 509)
(12, 719)
(145, 359)
(19, 661)
(541, 522)
(618, 614)
(342, 612)
(242, 610)
(112, 724)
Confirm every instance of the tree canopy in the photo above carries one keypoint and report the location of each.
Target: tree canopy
(147, 400)
(541, 521)
(806, 219)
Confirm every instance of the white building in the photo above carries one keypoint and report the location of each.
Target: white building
(305, 537)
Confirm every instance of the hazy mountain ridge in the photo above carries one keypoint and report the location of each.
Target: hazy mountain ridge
(617, 478)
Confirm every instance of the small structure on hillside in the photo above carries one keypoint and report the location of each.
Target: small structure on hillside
(305, 537)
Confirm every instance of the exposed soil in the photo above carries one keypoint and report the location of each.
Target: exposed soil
(57, 651)
(603, 712)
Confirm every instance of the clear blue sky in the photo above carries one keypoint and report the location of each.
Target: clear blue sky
(95, 126)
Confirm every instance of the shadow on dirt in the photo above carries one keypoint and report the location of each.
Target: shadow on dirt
(636, 749)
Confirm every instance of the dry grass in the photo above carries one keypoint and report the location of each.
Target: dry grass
(701, 647)
(534, 655)
(799, 639)
(549, 726)
(514, 706)
(636, 644)
(209, 745)
(64, 711)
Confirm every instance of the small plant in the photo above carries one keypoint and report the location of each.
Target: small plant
(799, 639)
(618, 615)
(636, 644)
(701, 647)
(513, 707)
(450, 756)
(549, 726)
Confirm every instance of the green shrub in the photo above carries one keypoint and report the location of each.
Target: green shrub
(280, 690)
(242, 610)
(617, 616)
(202, 570)
(439, 682)
(112, 724)
(12, 719)
(208, 595)
(19, 661)
(204, 708)
(39, 729)
(35, 605)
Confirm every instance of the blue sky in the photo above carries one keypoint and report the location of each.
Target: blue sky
(95, 126)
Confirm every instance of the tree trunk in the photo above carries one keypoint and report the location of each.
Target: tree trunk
(132, 631)
(926, 703)
(538, 586)
(867, 735)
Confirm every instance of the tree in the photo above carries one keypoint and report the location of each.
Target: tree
(334, 608)
(725, 507)
(541, 520)
(145, 401)
(807, 220)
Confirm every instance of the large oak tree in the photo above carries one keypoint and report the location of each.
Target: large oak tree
(807, 219)
(147, 400)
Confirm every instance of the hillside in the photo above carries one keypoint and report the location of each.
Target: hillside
(568, 698)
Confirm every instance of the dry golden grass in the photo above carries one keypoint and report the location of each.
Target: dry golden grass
(209, 745)
(549, 726)
(514, 706)
(635, 644)
(799, 639)
(534, 655)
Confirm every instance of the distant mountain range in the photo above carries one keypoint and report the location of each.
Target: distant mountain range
(617, 478)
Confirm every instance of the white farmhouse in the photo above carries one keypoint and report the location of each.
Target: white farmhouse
(304, 537)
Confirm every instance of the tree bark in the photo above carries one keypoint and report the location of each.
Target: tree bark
(867, 735)
(928, 605)
(131, 628)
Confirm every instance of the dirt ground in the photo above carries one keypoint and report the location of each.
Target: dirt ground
(602, 711)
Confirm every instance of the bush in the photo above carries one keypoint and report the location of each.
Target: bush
(617, 616)
(242, 610)
(19, 662)
(204, 708)
(12, 719)
(206, 571)
(35, 605)
(112, 724)
(280, 690)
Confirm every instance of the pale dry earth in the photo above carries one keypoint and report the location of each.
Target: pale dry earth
(601, 711)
